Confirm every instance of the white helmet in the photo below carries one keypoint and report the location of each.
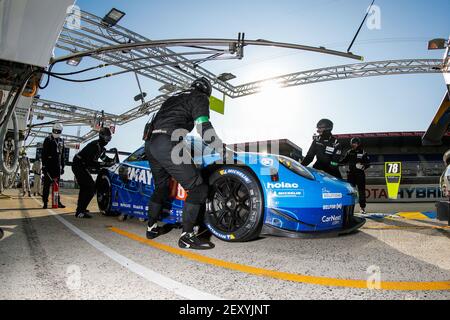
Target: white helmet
(447, 158)
(57, 130)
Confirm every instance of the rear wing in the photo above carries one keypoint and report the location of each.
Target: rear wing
(440, 125)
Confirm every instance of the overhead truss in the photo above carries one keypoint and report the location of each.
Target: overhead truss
(156, 60)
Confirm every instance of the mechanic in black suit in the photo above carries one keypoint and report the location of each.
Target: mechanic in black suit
(326, 149)
(180, 113)
(85, 162)
(52, 162)
(358, 161)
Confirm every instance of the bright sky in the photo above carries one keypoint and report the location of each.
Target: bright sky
(394, 103)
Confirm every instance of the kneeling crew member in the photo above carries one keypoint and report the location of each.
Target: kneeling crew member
(326, 149)
(182, 111)
(85, 161)
(358, 161)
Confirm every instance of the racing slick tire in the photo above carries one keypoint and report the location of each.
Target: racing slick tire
(235, 205)
(104, 194)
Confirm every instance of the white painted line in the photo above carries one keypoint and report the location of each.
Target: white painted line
(176, 287)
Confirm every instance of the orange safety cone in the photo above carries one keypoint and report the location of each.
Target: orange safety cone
(55, 194)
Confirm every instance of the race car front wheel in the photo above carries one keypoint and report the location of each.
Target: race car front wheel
(235, 205)
(104, 194)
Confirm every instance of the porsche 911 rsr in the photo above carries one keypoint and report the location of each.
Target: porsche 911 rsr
(261, 194)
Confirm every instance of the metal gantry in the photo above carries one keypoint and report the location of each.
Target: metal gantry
(370, 69)
(179, 71)
(125, 49)
(72, 115)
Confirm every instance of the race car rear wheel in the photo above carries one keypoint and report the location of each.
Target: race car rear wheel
(235, 205)
(104, 194)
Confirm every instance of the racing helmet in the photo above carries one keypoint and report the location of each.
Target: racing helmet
(203, 85)
(447, 158)
(325, 124)
(356, 141)
(57, 130)
(105, 135)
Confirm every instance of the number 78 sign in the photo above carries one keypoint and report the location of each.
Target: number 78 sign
(393, 174)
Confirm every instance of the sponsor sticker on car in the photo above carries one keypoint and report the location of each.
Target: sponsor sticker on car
(338, 206)
(330, 195)
(289, 194)
(220, 235)
(334, 220)
(267, 162)
(236, 173)
(282, 185)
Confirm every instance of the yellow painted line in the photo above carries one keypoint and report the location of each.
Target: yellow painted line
(406, 227)
(322, 281)
(413, 215)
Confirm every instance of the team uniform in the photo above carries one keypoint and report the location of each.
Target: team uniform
(181, 112)
(328, 151)
(358, 161)
(53, 162)
(83, 163)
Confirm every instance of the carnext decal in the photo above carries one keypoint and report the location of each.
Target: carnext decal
(140, 175)
(334, 220)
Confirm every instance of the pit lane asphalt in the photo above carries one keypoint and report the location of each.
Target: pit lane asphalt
(42, 258)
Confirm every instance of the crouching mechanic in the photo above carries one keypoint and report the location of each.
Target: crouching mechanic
(326, 149)
(180, 113)
(358, 161)
(86, 161)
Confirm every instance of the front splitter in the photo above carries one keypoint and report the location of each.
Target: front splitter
(354, 225)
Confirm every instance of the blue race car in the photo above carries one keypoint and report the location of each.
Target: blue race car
(262, 194)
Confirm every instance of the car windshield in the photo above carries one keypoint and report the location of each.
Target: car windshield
(139, 155)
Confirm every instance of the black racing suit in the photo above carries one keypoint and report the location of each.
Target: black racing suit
(356, 176)
(327, 150)
(52, 163)
(178, 113)
(85, 161)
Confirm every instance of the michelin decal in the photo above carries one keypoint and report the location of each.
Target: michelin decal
(285, 190)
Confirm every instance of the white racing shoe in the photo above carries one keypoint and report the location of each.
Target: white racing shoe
(191, 241)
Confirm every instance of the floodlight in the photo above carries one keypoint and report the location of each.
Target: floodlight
(113, 17)
(74, 62)
(437, 44)
(226, 77)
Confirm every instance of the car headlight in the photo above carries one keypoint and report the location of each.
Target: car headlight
(296, 167)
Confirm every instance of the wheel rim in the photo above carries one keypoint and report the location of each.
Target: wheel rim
(229, 204)
(104, 194)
